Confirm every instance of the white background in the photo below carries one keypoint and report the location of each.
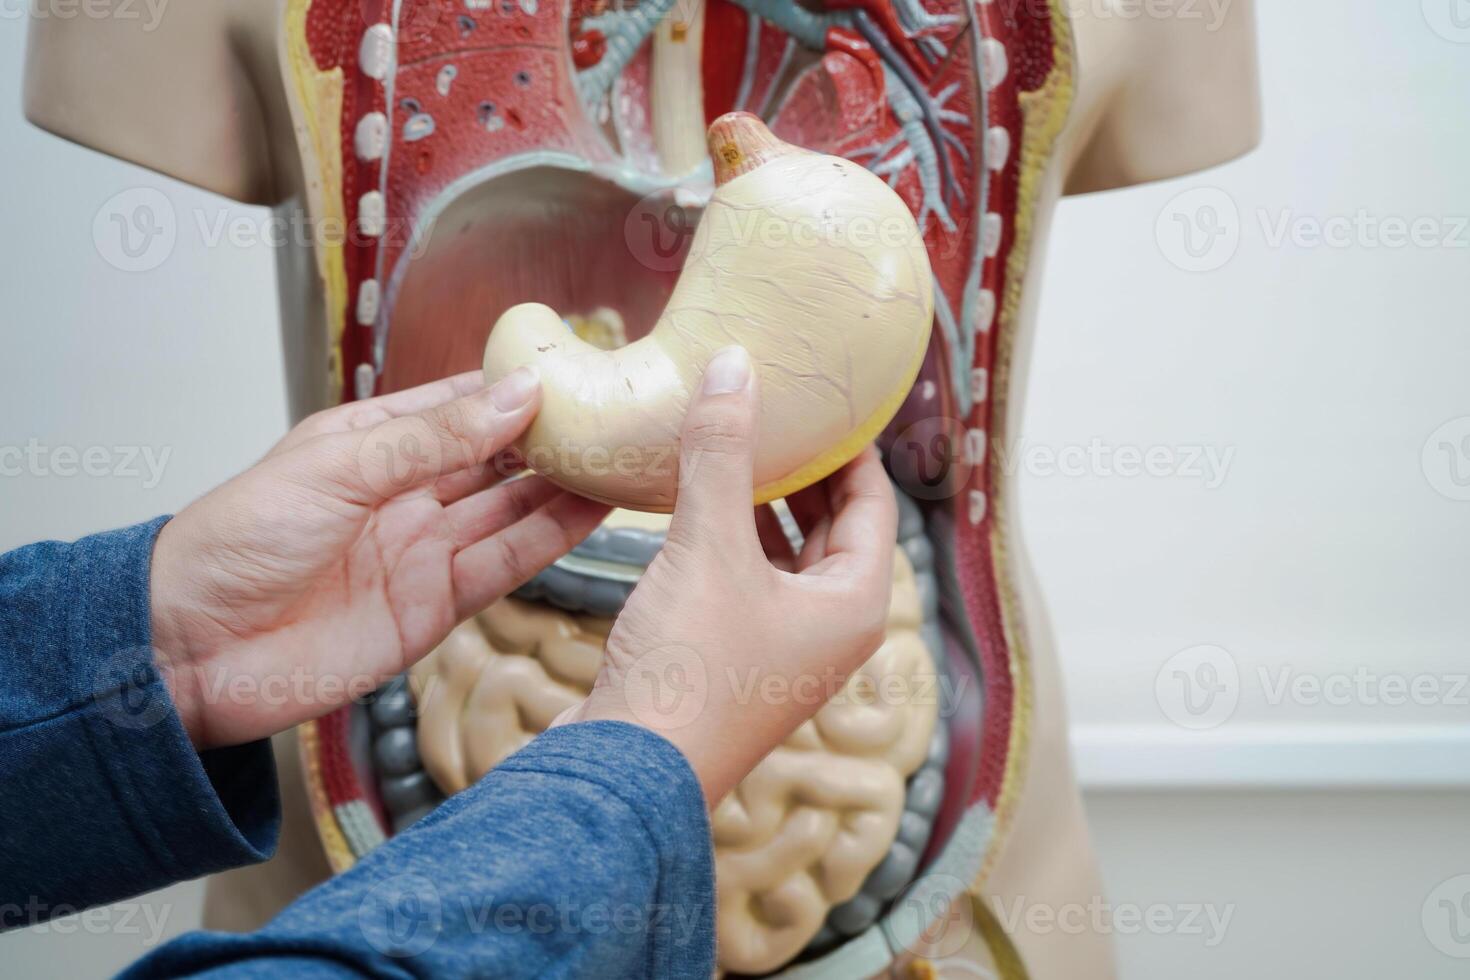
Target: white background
(1331, 549)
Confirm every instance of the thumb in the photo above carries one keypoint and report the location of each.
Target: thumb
(716, 453)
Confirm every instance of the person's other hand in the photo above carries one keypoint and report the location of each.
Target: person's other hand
(730, 641)
(349, 552)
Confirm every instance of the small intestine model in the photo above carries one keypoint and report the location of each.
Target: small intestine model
(810, 262)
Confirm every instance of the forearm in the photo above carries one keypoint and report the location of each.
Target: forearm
(105, 795)
(588, 853)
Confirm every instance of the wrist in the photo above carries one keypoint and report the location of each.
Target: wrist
(717, 761)
(167, 636)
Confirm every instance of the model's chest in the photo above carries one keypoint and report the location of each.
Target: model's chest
(473, 154)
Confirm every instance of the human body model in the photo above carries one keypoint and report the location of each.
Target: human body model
(531, 159)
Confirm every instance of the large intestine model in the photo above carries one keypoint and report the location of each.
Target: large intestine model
(491, 152)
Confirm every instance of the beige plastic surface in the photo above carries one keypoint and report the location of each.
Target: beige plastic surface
(796, 837)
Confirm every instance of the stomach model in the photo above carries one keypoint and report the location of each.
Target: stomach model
(810, 263)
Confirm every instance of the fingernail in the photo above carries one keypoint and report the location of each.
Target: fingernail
(728, 371)
(515, 389)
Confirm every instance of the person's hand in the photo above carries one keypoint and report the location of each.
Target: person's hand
(725, 615)
(348, 553)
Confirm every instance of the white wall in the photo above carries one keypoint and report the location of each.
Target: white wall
(1317, 372)
(1328, 545)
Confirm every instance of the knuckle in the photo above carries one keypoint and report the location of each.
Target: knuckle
(719, 433)
(449, 423)
(517, 567)
(454, 432)
(318, 421)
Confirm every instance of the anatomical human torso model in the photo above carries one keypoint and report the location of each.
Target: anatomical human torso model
(459, 157)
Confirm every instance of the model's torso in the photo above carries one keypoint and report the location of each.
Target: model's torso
(476, 88)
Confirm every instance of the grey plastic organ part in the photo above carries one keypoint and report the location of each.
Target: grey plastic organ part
(402, 793)
(396, 751)
(855, 914)
(576, 593)
(913, 829)
(393, 706)
(926, 792)
(625, 545)
(926, 787)
(896, 870)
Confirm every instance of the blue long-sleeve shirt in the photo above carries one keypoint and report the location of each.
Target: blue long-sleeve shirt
(585, 854)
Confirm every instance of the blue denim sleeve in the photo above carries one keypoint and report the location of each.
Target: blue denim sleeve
(586, 854)
(104, 795)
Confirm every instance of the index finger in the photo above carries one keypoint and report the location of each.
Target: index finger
(864, 513)
(405, 453)
(863, 520)
(373, 411)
